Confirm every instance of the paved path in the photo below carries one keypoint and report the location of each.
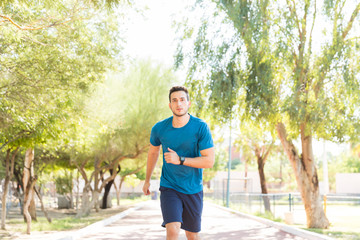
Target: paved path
(217, 224)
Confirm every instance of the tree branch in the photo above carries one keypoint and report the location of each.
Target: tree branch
(293, 11)
(19, 135)
(268, 151)
(351, 21)
(312, 28)
(53, 24)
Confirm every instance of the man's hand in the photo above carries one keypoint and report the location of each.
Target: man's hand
(146, 188)
(172, 157)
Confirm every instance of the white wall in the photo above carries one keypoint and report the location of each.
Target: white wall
(348, 183)
(237, 181)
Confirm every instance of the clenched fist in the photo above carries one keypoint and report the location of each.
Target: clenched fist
(172, 157)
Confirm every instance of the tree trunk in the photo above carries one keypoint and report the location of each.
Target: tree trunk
(96, 189)
(29, 192)
(84, 209)
(71, 192)
(87, 205)
(106, 194)
(245, 176)
(28, 174)
(280, 174)
(95, 200)
(42, 204)
(306, 175)
(5, 190)
(122, 179)
(77, 190)
(9, 171)
(117, 194)
(32, 208)
(108, 187)
(19, 187)
(261, 164)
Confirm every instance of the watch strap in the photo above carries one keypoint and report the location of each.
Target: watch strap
(182, 160)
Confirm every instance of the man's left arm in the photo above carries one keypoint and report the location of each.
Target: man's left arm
(206, 160)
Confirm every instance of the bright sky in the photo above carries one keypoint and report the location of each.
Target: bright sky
(152, 35)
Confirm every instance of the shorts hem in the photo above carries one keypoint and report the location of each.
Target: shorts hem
(190, 230)
(183, 228)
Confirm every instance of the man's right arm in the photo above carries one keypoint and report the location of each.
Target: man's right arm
(153, 156)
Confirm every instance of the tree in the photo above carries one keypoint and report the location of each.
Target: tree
(260, 142)
(45, 71)
(64, 184)
(283, 76)
(130, 168)
(108, 186)
(9, 171)
(121, 123)
(220, 163)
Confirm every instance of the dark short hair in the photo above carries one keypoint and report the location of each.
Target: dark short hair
(178, 88)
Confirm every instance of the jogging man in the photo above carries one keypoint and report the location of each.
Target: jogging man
(187, 148)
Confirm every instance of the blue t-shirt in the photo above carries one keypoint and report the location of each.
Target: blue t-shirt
(186, 141)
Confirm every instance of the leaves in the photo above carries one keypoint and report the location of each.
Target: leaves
(274, 69)
(44, 71)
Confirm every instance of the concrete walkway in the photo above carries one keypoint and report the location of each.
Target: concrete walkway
(218, 224)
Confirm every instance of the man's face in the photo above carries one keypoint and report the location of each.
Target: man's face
(179, 104)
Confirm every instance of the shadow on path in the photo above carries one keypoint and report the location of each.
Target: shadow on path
(217, 224)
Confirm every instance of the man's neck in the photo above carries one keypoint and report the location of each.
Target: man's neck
(179, 122)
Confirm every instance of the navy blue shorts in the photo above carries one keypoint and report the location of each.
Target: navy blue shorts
(183, 208)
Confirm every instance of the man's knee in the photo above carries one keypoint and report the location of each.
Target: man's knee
(192, 235)
(172, 230)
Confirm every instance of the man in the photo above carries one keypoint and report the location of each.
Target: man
(187, 149)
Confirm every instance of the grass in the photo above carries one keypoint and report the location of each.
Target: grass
(335, 234)
(66, 220)
(269, 215)
(346, 227)
(62, 224)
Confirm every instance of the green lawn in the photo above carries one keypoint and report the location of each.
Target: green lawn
(65, 219)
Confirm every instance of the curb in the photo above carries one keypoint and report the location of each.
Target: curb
(281, 226)
(93, 228)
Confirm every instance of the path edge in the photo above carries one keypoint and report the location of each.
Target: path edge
(92, 228)
(281, 226)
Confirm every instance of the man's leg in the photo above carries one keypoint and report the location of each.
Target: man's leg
(171, 208)
(192, 211)
(172, 230)
(192, 235)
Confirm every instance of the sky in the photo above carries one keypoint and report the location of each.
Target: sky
(151, 35)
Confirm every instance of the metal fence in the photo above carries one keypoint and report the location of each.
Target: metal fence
(336, 206)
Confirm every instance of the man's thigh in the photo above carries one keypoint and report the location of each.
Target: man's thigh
(192, 211)
(171, 206)
(180, 207)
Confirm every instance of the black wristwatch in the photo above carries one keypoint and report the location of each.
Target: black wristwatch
(182, 160)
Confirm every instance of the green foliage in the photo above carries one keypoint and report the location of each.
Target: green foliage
(44, 72)
(237, 75)
(132, 180)
(221, 159)
(345, 162)
(64, 182)
(119, 116)
(279, 71)
(96, 3)
(127, 105)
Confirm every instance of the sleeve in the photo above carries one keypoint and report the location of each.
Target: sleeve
(154, 137)
(205, 138)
